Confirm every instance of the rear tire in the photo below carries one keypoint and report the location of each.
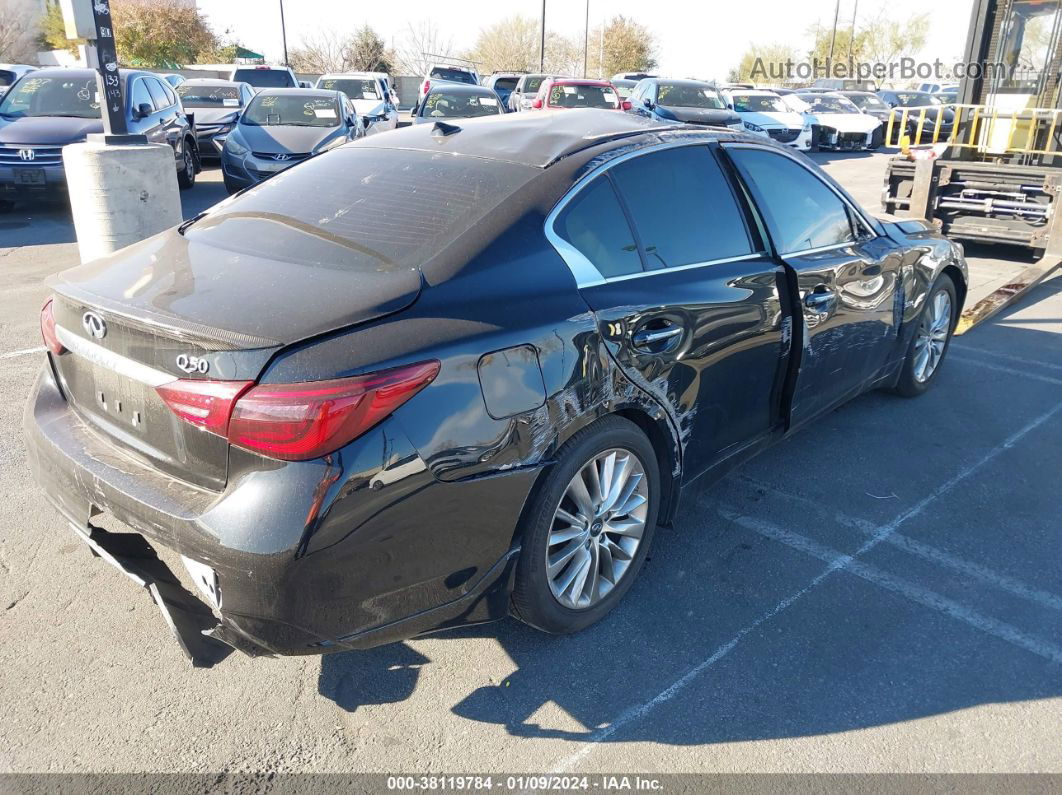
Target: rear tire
(932, 337)
(610, 545)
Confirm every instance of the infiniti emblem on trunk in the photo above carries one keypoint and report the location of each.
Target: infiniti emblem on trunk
(94, 325)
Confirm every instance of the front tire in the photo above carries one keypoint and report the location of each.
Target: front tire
(588, 530)
(186, 176)
(931, 339)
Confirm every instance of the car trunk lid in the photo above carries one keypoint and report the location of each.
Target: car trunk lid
(168, 309)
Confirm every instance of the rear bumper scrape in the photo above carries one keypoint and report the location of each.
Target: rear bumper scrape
(188, 617)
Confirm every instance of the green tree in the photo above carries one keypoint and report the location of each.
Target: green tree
(764, 64)
(160, 33)
(509, 45)
(515, 44)
(620, 45)
(53, 31)
(367, 52)
(887, 41)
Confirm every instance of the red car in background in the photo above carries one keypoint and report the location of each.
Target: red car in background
(574, 93)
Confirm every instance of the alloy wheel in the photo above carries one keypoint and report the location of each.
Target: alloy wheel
(597, 528)
(932, 336)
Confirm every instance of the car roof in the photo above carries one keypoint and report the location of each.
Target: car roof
(532, 139)
(361, 75)
(298, 92)
(76, 72)
(682, 81)
(212, 81)
(461, 88)
(752, 92)
(579, 81)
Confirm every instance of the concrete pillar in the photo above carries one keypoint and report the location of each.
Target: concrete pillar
(120, 194)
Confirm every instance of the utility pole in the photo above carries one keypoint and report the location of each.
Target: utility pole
(833, 41)
(283, 33)
(586, 38)
(851, 36)
(542, 44)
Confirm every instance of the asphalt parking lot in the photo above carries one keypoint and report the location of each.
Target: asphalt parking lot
(882, 592)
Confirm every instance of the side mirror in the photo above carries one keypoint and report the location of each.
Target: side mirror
(648, 103)
(143, 110)
(536, 103)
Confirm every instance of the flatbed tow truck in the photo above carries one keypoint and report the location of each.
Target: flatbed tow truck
(988, 168)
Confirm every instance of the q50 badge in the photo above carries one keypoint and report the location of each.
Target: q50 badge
(192, 364)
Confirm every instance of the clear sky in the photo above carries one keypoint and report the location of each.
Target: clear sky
(702, 37)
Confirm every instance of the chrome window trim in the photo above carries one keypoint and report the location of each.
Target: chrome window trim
(859, 212)
(122, 365)
(584, 271)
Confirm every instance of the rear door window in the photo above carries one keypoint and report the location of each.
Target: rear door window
(594, 224)
(801, 211)
(158, 94)
(682, 207)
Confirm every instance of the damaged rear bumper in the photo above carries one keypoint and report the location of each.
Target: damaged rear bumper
(318, 557)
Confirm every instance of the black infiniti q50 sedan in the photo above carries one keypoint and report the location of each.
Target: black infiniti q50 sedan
(463, 371)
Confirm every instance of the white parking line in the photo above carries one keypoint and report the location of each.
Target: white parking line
(25, 352)
(914, 592)
(999, 368)
(919, 549)
(838, 563)
(974, 350)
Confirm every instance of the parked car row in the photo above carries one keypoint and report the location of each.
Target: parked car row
(47, 109)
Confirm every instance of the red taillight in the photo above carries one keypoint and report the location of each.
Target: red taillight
(536, 103)
(296, 422)
(626, 105)
(51, 339)
(206, 404)
(427, 85)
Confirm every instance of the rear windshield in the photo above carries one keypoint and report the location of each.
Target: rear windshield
(583, 97)
(265, 78)
(506, 83)
(392, 209)
(194, 96)
(291, 111)
(459, 104)
(453, 75)
(353, 87)
(6, 78)
(531, 84)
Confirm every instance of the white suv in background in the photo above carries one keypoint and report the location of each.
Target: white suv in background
(370, 95)
(259, 77)
(447, 73)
